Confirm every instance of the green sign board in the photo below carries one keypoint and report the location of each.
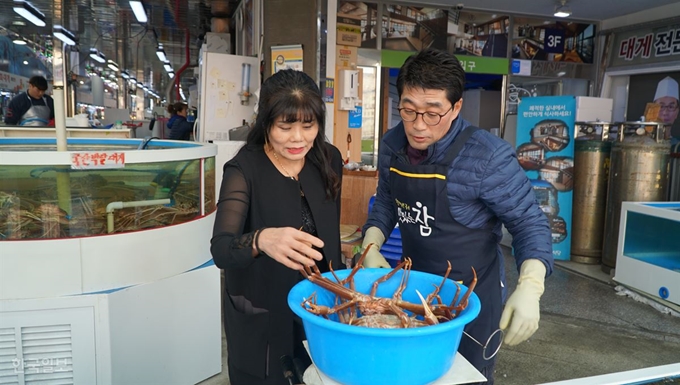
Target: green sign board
(474, 64)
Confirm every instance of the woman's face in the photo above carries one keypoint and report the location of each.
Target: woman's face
(292, 140)
(183, 112)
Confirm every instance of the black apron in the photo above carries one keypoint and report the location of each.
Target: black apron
(431, 236)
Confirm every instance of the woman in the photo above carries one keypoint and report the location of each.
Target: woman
(279, 210)
(180, 128)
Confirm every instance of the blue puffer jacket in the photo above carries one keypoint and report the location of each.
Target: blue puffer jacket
(484, 181)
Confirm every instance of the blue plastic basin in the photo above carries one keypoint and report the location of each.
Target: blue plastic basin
(355, 355)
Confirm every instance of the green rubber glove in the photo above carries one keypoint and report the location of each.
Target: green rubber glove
(375, 238)
(522, 311)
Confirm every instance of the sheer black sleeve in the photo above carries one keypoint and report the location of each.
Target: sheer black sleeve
(229, 246)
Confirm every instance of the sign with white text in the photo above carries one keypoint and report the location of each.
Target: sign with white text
(545, 127)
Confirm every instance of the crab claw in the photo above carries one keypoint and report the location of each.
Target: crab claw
(429, 316)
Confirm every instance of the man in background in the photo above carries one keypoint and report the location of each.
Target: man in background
(32, 107)
(667, 97)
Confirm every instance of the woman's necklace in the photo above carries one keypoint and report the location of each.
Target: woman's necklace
(288, 174)
(286, 171)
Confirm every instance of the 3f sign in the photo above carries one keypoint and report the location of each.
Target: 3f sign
(554, 41)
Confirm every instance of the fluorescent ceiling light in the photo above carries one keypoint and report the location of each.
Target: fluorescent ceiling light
(171, 74)
(98, 56)
(139, 11)
(19, 41)
(140, 84)
(125, 75)
(160, 52)
(167, 66)
(562, 10)
(112, 65)
(64, 35)
(29, 12)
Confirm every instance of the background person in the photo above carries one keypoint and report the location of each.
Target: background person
(285, 178)
(32, 107)
(180, 128)
(668, 97)
(450, 186)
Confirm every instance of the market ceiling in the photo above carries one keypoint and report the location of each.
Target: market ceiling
(111, 27)
(593, 10)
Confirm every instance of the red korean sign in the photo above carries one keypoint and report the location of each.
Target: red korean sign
(97, 160)
(648, 45)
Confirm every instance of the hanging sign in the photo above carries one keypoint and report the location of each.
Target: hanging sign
(554, 40)
(355, 117)
(12, 83)
(545, 127)
(647, 45)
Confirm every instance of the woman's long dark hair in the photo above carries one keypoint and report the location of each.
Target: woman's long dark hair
(294, 96)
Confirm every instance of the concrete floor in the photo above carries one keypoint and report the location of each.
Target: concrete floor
(586, 329)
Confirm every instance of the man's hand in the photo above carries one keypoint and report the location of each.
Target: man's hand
(522, 311)
(374, 239)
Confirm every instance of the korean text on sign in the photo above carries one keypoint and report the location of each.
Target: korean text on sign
(661, 44)
(97, 160)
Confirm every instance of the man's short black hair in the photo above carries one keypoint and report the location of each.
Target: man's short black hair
(38, 82)
(432, 69)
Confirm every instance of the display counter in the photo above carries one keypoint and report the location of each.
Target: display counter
(106, 275)
(648, 255)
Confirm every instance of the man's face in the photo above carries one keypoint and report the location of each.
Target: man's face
(420, 101)
(669, 109)
(35, 92)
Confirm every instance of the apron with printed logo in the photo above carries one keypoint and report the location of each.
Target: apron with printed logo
(36, 115)
(431, 237)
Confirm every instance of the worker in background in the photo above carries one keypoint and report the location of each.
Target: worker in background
(33, 107)
(450, 186)
(667, 96)
(180, 128)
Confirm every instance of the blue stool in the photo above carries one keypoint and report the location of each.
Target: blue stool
(391, 249)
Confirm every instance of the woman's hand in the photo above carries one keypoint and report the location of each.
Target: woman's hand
(290, 247)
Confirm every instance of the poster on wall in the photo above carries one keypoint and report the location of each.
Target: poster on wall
(557, 41)
(286, 57)
(660, 88)
(545, 150)
(357, 24)
(406, 28)
(480, 34)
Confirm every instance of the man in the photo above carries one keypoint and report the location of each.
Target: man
(667, 97)
(33, 107)
(450, 186)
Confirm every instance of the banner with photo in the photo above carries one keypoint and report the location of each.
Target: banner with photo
(557, 41)
(406, 28)
(479, 34)
(545, 127)
(660, 88)
(357, 24)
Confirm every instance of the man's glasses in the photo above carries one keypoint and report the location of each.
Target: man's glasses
(430, 118)
(669, 107)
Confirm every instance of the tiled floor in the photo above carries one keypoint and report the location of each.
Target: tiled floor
(586, 329)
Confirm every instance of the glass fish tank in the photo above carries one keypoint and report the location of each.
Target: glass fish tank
(101, 186)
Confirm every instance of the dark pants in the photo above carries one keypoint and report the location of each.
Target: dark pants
(487, 372)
